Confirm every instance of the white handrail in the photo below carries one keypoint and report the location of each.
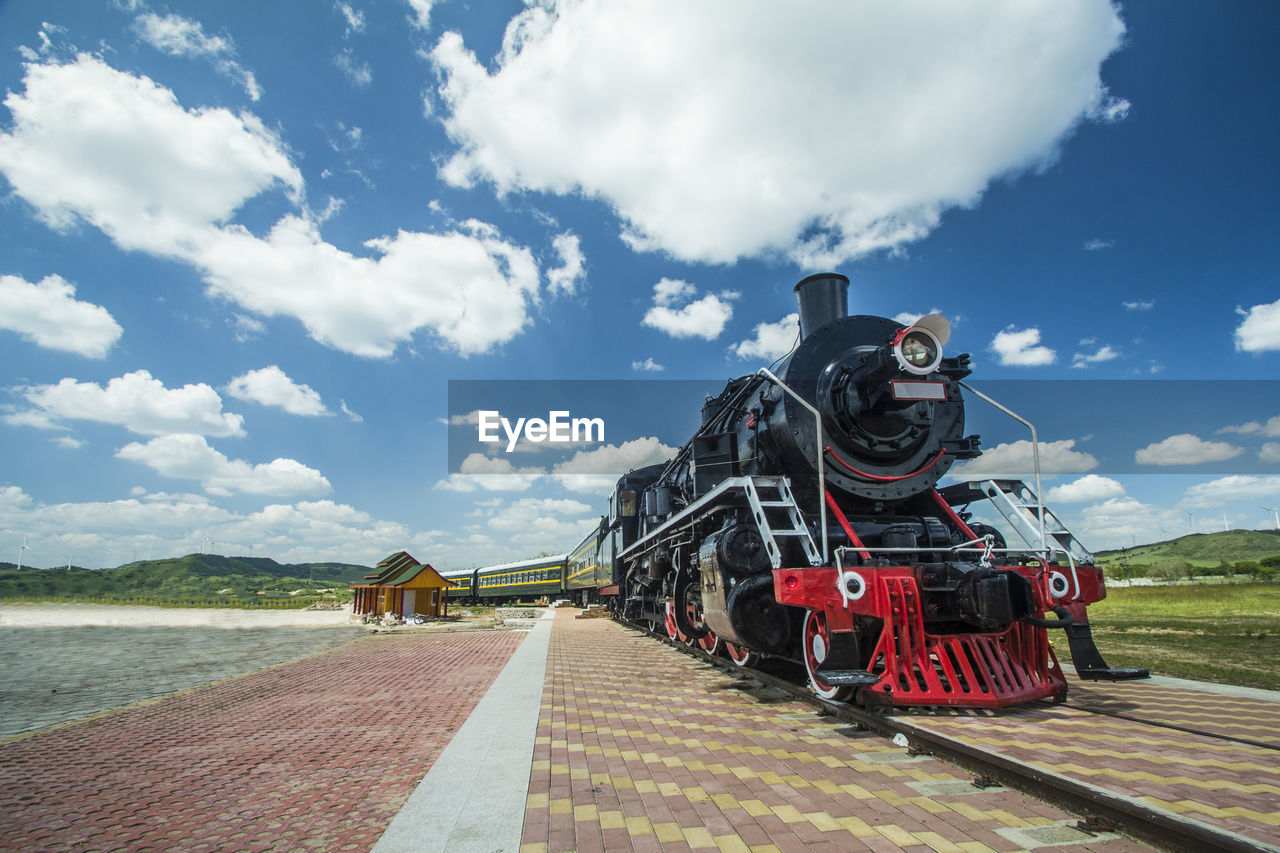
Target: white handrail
(817, 423)
(1035, 457)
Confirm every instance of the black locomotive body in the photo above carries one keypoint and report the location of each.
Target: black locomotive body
(802, 521)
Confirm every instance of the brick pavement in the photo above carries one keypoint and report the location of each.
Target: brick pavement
(318, 754)
(1231, 785)
(640, 747)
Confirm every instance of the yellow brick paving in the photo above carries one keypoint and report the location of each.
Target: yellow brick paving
(1237, 716)
(1234, 786)
(638, 748)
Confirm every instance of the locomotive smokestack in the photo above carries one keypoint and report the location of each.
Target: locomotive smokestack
(824, 298)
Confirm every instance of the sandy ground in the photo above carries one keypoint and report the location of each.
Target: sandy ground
(58, 615)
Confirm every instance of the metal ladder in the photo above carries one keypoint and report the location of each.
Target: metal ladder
(777, 515)
(1018, 504)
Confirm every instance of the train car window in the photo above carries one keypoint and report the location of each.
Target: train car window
(627, 501)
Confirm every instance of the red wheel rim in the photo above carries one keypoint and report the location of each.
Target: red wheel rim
(816, 643)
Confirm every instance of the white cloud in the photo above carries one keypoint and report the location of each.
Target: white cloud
(136, 401)
(47, 313)
(95, 144)
(189, 457)
(907, 318)
(733, 166)
(1090, 487)
(1097, 244)
(271, 386)
(572, 270)
(677, 313)
(349, 413)
(648, 366)
(421, 17)
(1271, 429)
(1259, 331)
(354, 17)
(179, 36)
(772, 340)
(1015, 459)
(158, 524)
(358, 72)
(92, 143)
(480, 472)
(1020, 348)
(1140, 305)
(597, 471)
(1120, 521)
(1269, 452)
(1104, 353)
(1231, 489)
(1185, 449)
(541, 525)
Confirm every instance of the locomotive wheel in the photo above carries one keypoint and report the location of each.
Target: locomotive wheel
(817, 640)
(709, 644)
(740, 655)
(673, 630)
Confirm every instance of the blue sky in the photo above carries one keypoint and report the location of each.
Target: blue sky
(246, 248)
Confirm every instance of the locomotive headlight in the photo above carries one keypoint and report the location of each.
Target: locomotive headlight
(918, 348)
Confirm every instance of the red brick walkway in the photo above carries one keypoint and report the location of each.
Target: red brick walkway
(318, 754)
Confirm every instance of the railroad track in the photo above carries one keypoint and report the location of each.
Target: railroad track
(1099, 809)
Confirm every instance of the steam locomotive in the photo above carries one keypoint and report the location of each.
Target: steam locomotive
(802, 520)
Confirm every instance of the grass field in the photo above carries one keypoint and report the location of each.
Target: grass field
(1227, 633)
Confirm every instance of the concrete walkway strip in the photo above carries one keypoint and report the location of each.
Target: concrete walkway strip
(473, 798)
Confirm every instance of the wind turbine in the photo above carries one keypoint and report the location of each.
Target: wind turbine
(1226, 525)
(1191, 515)
(21, 550)
(1276, 512)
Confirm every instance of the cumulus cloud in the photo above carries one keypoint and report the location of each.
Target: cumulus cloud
(597, 471)
(677, 313)
(421, 13)
(593, 471)
(480, 472)
(90, 143)
(1090, 487)
(1103, 353)
(136, 401)
(1271, 429)
(1021, 348)
(189, 457)
(1259, 331)
(1015, 459)
(95, 144)
(1139, 305)
(734, 166)
(48, 314)
(771, 341)
(158, 524)
(1237, 487)
(1269, 452)
(271, 386)
(1097, 244)
(1185, 449)
(572, 270)
(647, 366)
(179, 36)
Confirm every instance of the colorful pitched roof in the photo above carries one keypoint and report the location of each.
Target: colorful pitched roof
(400, 568)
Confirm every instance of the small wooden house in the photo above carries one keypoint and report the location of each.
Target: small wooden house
(403, 586)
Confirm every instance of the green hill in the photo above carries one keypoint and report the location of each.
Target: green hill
(1202, 549)
(193, 579)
